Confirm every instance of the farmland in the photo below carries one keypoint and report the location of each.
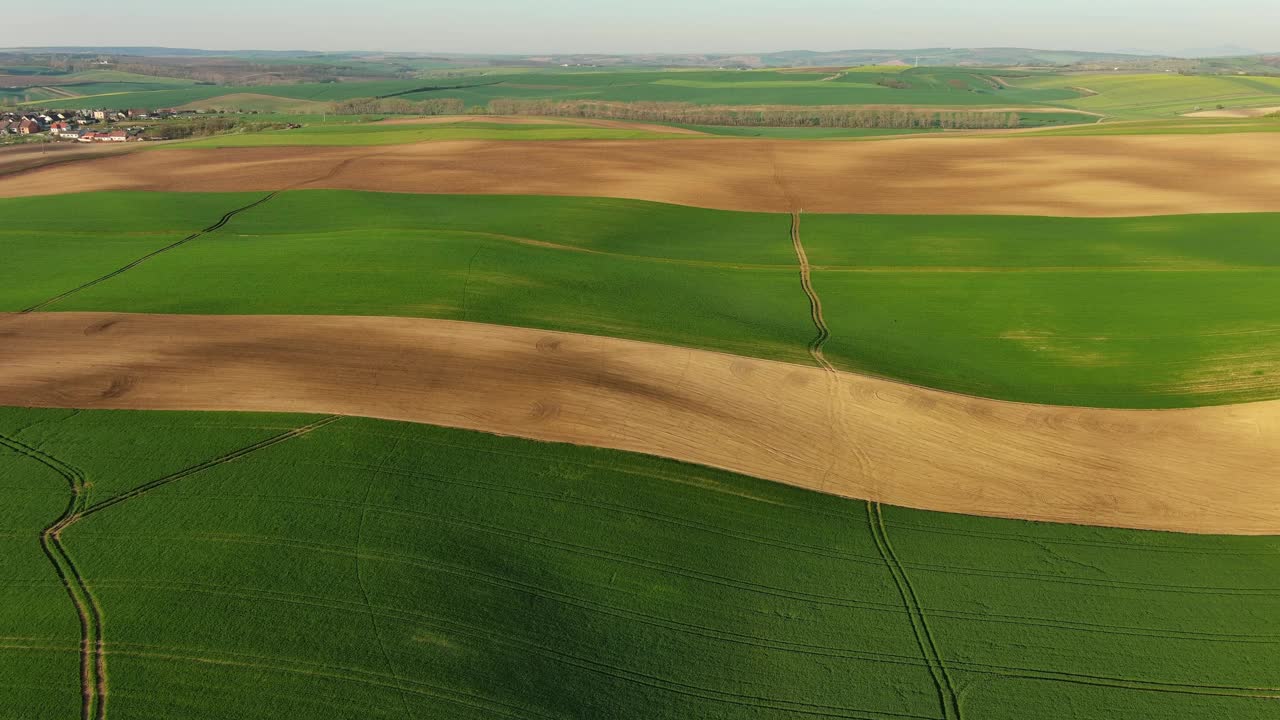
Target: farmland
(373, 569)
(379, 134)
(958, 300)
(425, 387)
(924, 86)
(934, 173)
(1156, 95)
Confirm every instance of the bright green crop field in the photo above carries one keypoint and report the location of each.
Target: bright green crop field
(1158, 95)
(237, 570)
(1131, 312)
(921, 86)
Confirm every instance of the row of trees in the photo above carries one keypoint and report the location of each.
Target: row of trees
(691, 114)
(399, 106)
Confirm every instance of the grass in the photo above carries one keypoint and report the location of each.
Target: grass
(716, 280)
(805, 133)
(1141, 312)
(383, 570)
(48, 251)
(1178, 126)
(1136, 96)
(1120, 312)
(923, 86)
(375, 134)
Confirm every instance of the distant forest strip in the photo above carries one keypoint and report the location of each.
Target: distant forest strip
(399, 106)
(689, 113)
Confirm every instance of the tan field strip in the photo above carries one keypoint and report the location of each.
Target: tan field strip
(1207, 470)
(1235, 113)
(1072, 176)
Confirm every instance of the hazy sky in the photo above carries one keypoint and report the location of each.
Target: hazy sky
(534, 26)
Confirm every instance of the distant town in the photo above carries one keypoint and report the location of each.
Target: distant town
(85, 126)
(119, 126)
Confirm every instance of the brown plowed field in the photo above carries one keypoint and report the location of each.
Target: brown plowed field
(1077, 176)
(1199, 470)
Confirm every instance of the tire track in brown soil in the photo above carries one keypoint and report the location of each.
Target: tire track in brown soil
(947, 698)
(1194, 470)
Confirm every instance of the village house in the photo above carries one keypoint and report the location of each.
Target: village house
(29, 127)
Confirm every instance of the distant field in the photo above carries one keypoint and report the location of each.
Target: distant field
(382, 570)
(376, 134)
(804, 133)
(922, 86)
(1158, 95)
(1178, 126)
(1130, 312)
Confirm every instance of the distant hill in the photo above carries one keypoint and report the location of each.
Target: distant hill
(790, 58)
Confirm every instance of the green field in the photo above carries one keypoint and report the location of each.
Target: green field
(1172, 126)
(370, 569)
(1159, 95)
(375, 134)
(922, 86)
(1131, 312)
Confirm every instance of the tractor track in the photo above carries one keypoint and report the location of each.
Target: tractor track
(947, 696)
(93, 662)
(948, 699)
(226, 218)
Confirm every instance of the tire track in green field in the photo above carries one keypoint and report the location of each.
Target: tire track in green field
(223, 459)
(364, 589)
(93, 664)
(226, 218)
(93, 660)
(947, 696)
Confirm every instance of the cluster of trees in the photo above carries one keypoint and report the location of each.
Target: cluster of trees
(690, 114)
(207, 126)
(399, 106)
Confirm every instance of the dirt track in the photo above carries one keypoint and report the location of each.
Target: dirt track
(1076, 176)
(1201, 470)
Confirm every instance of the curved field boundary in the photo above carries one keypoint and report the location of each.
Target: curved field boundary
(1061, 176)
(1204, 470)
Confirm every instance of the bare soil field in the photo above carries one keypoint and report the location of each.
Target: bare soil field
(1206, 470)
(29, 156)
(1064, 176)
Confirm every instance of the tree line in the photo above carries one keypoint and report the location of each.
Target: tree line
(399, 106)
(825, 116)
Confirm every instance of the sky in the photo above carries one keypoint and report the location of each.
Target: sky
(611, 26)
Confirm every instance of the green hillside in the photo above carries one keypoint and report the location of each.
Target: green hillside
(1159, 95)
(382, 570)
(1126, 312)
